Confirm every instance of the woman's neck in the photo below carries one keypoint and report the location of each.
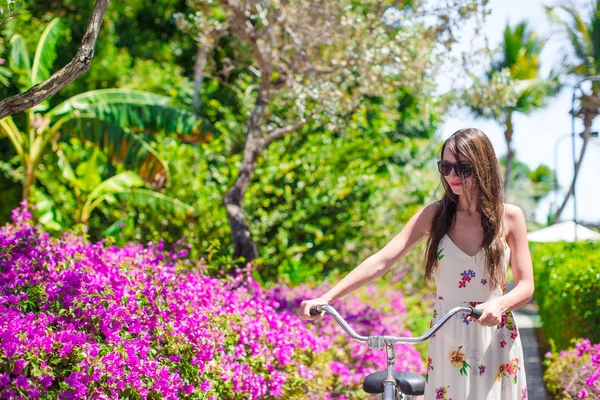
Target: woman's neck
(471, 209)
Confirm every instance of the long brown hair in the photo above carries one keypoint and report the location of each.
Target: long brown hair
(475, 148)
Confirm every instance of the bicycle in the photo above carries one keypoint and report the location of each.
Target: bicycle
(388, 384)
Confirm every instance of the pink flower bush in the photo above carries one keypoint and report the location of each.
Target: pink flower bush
(576, 371)
(90, 320)
(362, 310)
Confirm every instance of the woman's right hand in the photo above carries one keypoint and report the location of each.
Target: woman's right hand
(306, 305)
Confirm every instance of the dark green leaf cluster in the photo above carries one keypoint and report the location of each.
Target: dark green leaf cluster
(567, 287)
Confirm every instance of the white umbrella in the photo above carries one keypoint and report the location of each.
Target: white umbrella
(563, 231)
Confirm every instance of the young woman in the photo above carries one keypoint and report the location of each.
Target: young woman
(472, 236)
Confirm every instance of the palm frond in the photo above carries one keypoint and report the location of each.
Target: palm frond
(116, 184)
(45, 54)
(20, 62)
(157, 201)
(535, 93)
(82, 102)
(139, 112)
(8, 128)
(577, 34)
(122, 145)
(521, 48)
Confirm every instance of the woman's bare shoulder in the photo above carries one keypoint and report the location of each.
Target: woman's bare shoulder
(432, 208)
(513, 215)
(427, 214)
(512, 211)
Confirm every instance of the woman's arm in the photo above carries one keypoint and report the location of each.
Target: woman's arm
(379, 263)
(520, 260)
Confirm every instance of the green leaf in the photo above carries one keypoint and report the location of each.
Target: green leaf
(8, 128)
(578, 35)
(103, 97)
(122, 145)
(139, 111)
(65, 167)
(45, 54)
(158, 202)
(534, 93)
(46, 211)
(5, 75)
(88, 173)
(116, 184)
(20, 62)
(114, 228)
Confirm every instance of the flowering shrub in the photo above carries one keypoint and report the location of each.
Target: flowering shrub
(369, 311)
(92, 320)
(574, 373)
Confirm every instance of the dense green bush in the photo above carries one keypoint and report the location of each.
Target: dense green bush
(567, 280)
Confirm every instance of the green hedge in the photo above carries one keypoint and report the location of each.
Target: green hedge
(567, 290)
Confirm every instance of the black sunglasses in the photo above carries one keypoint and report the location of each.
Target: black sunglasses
(463, 170)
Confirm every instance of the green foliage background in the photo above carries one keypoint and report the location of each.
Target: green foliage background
(567, 280)
(320, 201)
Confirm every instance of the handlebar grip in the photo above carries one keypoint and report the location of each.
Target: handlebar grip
(314, 310)
(476, 312)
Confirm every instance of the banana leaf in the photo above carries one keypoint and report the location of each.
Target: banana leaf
(122, 145)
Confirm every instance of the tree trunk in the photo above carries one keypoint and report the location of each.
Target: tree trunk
(243, 244)
(508, 134)
(198, 75)
(587, 125)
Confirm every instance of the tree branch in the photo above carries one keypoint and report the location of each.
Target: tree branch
(279, 132)
(77, 67)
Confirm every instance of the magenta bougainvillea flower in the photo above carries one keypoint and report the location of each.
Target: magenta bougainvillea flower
(80, 319)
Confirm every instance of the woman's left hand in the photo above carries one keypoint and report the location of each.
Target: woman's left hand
(492, 314)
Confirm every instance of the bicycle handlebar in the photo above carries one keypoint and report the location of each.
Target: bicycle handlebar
(378, 342)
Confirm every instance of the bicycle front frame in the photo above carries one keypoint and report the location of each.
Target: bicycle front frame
(391, 391)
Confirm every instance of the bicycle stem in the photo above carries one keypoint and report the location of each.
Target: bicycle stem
(389, 384)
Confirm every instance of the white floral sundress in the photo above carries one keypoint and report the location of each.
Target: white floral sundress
(467, 361)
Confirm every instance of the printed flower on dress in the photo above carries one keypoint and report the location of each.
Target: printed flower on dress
(503, 343)
(440, 393)
(503, 321)
(524, 394)
(510, 370)
(458, 359)
(484, 282)
(508, 320)
(435, 314)
(430, 325)
(465, 320)
(501, 370)
(466, 277)
(481, 369)
(429, 368)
